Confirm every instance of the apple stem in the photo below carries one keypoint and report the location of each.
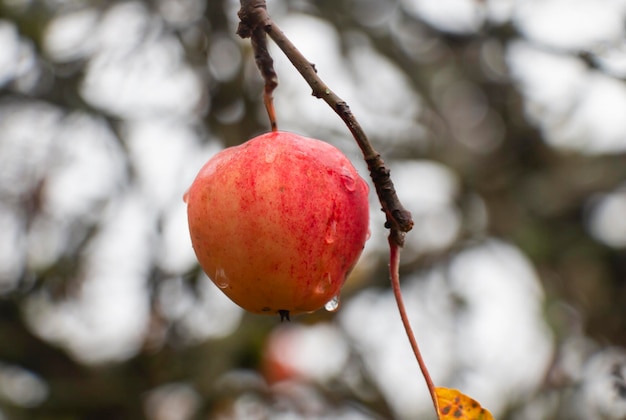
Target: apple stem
(265, 63)
(268, 100)
(394, 274)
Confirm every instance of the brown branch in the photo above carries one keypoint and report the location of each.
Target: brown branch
(262, 57)
(253, 15)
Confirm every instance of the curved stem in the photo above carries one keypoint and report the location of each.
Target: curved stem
(265, 64)
(394, 274)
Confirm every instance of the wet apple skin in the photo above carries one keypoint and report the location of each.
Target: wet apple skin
(278, 222)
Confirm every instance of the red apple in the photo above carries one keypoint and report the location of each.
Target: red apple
(278, 222)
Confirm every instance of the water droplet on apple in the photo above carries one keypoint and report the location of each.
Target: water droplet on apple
(270, 156)
(369, 234)
(186, 196)
(333, 304)
(331, 232)
(301, 154)
(348, 180)
(324, 284)
(221, 279)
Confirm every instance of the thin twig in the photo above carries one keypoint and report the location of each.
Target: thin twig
(263, 60)
(394, 274)
(253, 15)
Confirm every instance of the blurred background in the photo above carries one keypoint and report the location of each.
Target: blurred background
(503, 123)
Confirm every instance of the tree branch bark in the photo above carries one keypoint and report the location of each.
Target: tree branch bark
(253, 16)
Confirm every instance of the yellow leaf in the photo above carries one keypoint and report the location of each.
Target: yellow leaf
(453, 405)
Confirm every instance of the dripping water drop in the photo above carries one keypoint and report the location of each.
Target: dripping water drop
(333, 304)
(348, 180)
(324, 284)
(221, 279)
(186, 196)
(331, 232)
